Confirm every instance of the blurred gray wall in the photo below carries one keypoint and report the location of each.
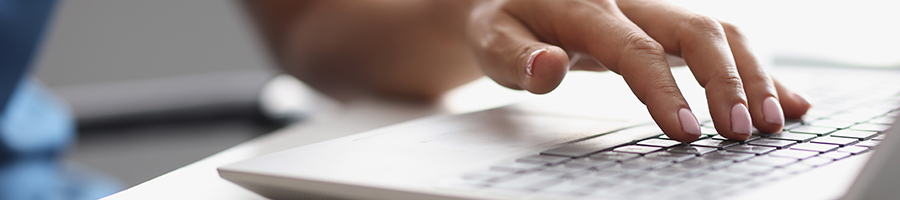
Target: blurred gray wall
(100, 41)
(114, 58)
(125, 57)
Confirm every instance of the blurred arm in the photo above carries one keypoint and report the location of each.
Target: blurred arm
(408, 49)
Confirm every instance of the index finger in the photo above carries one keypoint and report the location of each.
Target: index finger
(599, 29)
(702, 42)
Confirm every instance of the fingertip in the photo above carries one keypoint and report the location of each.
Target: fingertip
(690, 127)
(795, 105)
(684, 138)
(546, 69)
(773, 116)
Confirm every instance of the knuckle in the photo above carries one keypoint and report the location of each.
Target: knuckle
(732, 31)
(668, 90)
(728, 77)
(659, 91)
(643, 44)
(756, 78)
(701, 24)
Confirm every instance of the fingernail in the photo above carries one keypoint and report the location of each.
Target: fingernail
(688, 121)
(740, 119)
(530, 63)
(772, 111)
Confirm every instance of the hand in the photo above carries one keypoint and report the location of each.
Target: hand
(526, 45)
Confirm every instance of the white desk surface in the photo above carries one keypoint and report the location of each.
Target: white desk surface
(200, 180)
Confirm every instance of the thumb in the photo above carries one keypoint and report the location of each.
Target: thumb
(513, 57)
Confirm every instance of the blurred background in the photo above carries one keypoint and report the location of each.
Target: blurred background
(156, 85)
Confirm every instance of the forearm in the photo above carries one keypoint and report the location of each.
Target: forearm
(409, 49)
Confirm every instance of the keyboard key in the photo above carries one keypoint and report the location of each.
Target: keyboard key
(817, 161)
(812, 130)
(733, 156)
(528, 182)
(707, 124)
(636, 149)
(751, 138)
(832, 123)
(788, 153)
(879, 137)
(703, 165)
(542, 159)
(868, 143)
(794, 169)
(790, 136)
(882, 121)
(853, 134)
(665, 182)
(750, 149)
(659, 143)
(772, 143)
(709, 131)
(643, 163)
(586, 163)
(816, 147)
(567, 168)
(792, 123)
(591, 145)
(669, 156)
(570, 167)
(771, 161)
(834, 140)
(555, 171)
(835, 155)
(613, 156)
(853, 149)
(870, 127)
(686, 148)
(714, 143)
(852, 117)
(516, 167)
(722, 177)
(748, 169)
(622, 171)
(870, 109)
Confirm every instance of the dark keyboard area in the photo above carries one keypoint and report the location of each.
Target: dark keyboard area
(712, 166)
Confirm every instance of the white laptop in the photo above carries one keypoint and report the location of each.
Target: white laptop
(603, 145)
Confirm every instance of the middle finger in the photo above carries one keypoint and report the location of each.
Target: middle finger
(702, 42)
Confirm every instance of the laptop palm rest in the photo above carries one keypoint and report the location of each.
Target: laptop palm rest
(412, 156)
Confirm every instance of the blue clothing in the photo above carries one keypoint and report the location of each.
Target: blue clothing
(35, 127)
(32, 121)
(35, 123)
(22, 25)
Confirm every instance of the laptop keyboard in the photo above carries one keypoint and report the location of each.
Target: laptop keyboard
(712, 166)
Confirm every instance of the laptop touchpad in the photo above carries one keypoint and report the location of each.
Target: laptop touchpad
(495, 130)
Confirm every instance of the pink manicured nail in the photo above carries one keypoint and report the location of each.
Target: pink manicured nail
(688, 121)
(740, 119)
(772, 111)
(528, 65)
